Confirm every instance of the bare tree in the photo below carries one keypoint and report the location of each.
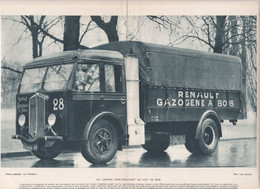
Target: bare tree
(29, 22)
(35, 25)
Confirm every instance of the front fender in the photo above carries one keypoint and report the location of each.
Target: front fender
(103, 115)
(208, 114)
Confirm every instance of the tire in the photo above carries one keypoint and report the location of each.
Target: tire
(192, 145)
(47, 152)
(102, 143)
(208, 139)
(158, 143)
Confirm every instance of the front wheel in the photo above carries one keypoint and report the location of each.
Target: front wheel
(47, 152)
(102, 143)
(208, 139)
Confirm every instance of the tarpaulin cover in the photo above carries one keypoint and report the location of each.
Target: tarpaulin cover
(166, 66)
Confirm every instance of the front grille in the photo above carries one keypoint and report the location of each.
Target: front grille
(36, 116)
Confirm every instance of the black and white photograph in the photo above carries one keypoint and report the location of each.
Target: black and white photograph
(108, 92)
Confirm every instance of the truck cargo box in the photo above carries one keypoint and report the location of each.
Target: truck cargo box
(180, 84)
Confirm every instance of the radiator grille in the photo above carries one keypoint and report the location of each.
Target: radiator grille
(36, 116)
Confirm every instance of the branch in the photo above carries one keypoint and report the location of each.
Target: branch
(196, 37)
(53, 37)
(99, 21)
(157, 20)
(11, 69)
(14, 20)
(86, 30)
(213, 21)
(194, 27)
(20, 38)
(41, 20)
(52, 23)
(26, 22)
(208, 32)
(130, 37)
(241, 43)
(241, 34)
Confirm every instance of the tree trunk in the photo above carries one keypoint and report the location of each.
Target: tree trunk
(234, 49)
(220, 32)
(109, 28)
(71, 33)
(112, 34)
(243, 58)
(40, 49)
(250, 64)
(34, 32)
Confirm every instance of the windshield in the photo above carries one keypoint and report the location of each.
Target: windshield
(55, 78)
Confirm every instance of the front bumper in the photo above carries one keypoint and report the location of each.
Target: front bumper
(34, 141)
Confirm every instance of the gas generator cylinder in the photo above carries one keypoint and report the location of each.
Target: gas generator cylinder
(132, 89)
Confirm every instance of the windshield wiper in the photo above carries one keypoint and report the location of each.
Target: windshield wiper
(57, 71)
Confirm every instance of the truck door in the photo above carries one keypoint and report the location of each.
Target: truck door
(87, 97)
(114, 98)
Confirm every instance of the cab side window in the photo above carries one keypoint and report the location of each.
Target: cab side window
(87, 78)
(110, 78)
(113, 78)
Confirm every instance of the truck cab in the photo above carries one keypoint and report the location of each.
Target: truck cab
(64, 97)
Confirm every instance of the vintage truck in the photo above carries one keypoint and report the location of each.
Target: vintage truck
(126, 93)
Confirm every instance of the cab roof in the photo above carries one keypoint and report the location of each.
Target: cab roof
(72, 56)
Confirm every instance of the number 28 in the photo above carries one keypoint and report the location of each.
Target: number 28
(58, 104)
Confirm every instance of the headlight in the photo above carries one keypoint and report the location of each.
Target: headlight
(21, 120)
(51, 119)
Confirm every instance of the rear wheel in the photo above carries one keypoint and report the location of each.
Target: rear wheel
(192, 145)
(47, 152)
(158, 143)
(102, 143)
(208, 139)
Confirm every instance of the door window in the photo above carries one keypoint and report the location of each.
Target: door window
(110, 78)
(87, 78)
(113, 78)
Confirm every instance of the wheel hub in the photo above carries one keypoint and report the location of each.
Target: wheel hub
(208, 136)
(103, 140)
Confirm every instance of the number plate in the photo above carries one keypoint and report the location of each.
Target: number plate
(30, 147)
